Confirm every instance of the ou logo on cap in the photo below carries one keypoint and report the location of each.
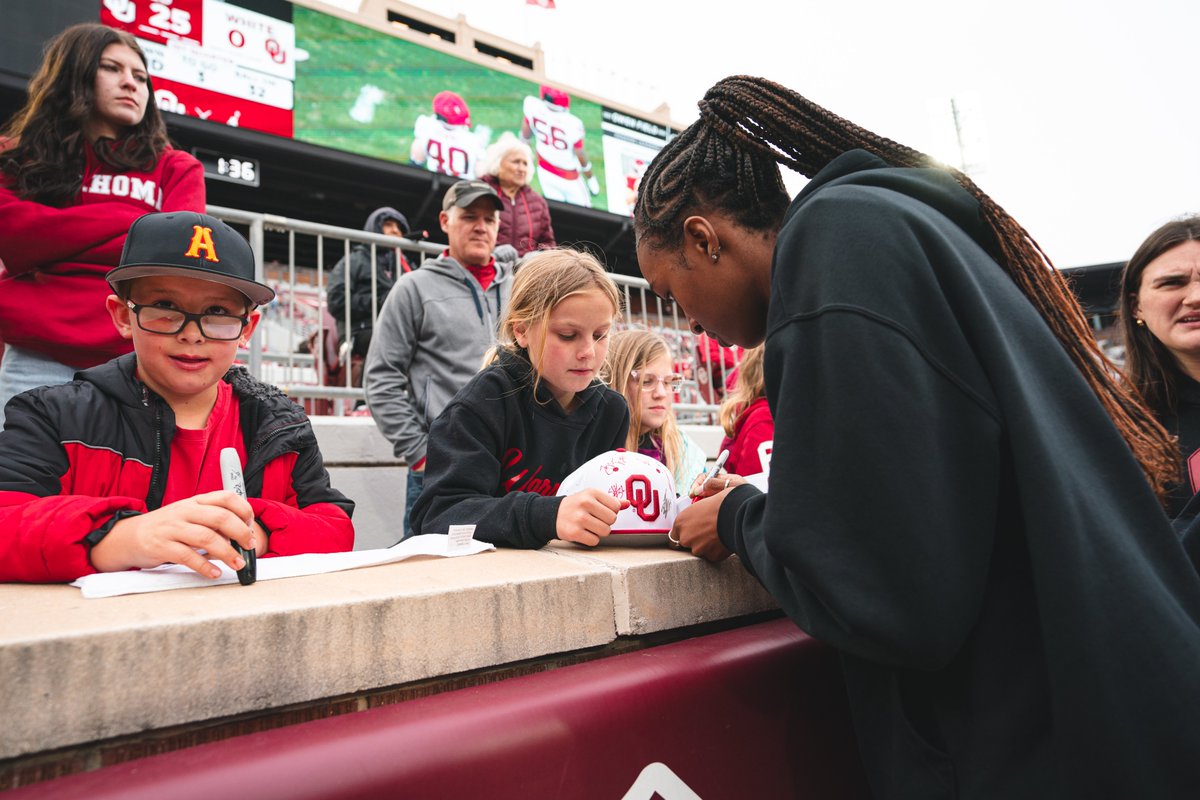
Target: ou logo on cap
(642, 481)
(641, 493)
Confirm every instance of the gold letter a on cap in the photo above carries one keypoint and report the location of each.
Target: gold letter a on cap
(202, 240)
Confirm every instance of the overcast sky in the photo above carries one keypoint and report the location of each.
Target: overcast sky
(1082, 121)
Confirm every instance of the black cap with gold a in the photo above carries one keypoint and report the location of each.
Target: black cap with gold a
(190, 245)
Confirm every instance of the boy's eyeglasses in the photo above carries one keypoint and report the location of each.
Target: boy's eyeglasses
(648, 382)
(168, 322)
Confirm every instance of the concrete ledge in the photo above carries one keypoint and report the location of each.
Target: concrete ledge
(707, 436)
(658, 589)
(352, 441)
(78, 671)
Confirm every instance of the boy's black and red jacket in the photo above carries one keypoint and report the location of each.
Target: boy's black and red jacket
(72, 456)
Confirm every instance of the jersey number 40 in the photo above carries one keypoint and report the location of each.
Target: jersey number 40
(450, 160)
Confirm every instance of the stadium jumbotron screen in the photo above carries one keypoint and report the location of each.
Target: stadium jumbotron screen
(321, 79)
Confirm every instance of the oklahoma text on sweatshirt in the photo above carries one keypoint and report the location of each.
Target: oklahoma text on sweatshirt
(52, 289)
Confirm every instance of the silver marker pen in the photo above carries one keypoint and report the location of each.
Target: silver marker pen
(722, 457)
(232, 480)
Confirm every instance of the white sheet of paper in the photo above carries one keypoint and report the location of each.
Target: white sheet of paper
(173, 576)
(758, 480)
(461, 537)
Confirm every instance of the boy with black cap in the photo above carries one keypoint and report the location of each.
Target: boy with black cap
(435, 326)
(120, 468)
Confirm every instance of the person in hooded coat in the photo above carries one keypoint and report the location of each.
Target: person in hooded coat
(389, 264)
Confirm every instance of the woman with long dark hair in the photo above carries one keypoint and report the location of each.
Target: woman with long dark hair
(1160, 320)
(86, 156)
(962, 496)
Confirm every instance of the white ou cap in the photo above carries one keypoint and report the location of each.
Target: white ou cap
(648, 486)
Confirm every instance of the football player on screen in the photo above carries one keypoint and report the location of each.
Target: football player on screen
(443, 141)
(556, 135)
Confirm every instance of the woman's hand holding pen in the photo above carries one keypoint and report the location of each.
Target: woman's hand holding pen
(704, 485)
(695, 528)
(715, 484)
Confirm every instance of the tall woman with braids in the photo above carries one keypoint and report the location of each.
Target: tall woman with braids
(85, 157)
(962, 494)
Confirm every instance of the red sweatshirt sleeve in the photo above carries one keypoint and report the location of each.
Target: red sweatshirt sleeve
(308, 522)
(182, 182)
(33, 235)
(42, 539)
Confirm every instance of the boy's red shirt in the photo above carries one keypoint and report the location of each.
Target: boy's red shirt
(196, 454)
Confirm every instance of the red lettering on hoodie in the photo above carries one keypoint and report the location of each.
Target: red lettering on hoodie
(512, 461)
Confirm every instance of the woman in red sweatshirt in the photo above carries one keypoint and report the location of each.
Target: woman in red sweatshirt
(746, 418)
(86, 156)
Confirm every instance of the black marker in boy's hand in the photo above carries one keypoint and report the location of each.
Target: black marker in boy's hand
(231, 478)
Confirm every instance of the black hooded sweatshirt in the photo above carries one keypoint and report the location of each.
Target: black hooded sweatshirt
(498, 453)
(952, 509)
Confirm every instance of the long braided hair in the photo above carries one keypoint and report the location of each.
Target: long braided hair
(728, 160)
(44, 156)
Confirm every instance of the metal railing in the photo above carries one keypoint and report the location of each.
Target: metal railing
(296, 345)
(282, 349)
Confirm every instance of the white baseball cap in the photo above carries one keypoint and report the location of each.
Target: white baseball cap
(648, 486)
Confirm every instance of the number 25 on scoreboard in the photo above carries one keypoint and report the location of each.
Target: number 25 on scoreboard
(166, 18)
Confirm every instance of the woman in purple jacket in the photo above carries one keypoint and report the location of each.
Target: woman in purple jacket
(525, 220)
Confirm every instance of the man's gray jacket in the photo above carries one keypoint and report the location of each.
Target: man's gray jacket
(430, 339)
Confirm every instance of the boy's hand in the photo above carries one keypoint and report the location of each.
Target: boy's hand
(586, 516)
(174, 533)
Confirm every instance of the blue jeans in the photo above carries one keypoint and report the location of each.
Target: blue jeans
(416, 482)
(22, 370)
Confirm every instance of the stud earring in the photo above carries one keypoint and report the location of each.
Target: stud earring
(1141, 323)
(715, 254)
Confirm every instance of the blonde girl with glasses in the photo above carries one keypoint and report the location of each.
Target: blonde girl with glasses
(538, 410)
(640, 368)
